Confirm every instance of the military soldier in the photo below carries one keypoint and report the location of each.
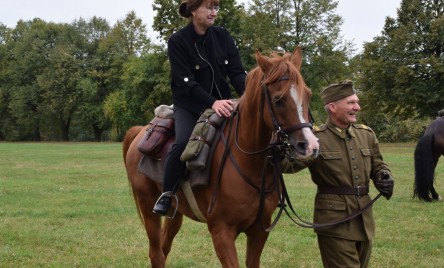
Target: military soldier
(349, 158)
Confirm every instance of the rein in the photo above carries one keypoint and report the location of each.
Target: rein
(284, 197)
(279, 147)
(276, 154)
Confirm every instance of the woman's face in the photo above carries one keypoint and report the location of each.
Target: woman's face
(205, 15)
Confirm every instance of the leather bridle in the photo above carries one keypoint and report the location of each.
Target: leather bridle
(279, 134)
(278, 147)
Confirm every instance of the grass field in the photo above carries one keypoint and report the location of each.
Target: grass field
(69, 205)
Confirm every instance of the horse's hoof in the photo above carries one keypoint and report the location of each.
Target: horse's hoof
(437, 199)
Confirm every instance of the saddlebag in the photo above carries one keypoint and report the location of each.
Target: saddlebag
(158, 132)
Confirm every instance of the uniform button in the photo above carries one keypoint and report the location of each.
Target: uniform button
(226, 61)
(356, 177)
(186, 79)
(197, 67)
(330, 206)
(353, 157)
(354, 167)
(351, 148)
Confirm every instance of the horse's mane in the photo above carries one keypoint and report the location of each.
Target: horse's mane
(282, 66)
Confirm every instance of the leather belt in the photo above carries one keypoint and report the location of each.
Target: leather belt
(358, 191)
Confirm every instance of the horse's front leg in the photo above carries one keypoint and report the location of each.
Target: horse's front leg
(256, 238)
(224, 244)
(435, 195)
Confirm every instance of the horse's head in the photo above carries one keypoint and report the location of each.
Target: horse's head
(285, 101)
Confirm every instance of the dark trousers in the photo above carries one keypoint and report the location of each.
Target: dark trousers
(174, 168)
(337, 252)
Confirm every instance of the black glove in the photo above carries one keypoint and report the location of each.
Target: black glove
(385, 184)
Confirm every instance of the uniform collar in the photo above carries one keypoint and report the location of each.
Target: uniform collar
(341, 132)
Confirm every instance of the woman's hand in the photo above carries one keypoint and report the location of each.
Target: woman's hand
(223, 107)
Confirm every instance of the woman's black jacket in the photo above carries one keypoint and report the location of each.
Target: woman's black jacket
(201, 67)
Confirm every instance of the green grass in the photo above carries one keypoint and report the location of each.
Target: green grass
(69, 205)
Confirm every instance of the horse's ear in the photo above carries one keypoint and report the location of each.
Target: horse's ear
(296, 57)
(263, 62)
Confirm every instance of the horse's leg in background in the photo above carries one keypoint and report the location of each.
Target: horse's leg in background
(160, 236)
(435, 195)
(256, 238)
(436, 154)
(169, 230)
(438, 148)
(145, 198)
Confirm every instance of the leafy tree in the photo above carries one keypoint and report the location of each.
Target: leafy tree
(167, 19)
(131, 47)
(402, 71)
(109, 49)
(61, 79)
(116, 109)
(145, 86)
(5, 117)
(131, 35)
(31, 43)
(313, 25)
(259, 31)
(95, 83)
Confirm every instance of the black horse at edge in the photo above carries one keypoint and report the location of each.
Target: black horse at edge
(427, 152)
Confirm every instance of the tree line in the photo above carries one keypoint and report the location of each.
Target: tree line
(90, 81)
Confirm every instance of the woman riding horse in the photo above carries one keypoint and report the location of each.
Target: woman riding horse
(272, 121)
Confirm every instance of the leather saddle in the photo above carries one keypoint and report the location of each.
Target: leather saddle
(153, 167)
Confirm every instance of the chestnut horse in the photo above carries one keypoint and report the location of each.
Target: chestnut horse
(427, 153)
(273, 111)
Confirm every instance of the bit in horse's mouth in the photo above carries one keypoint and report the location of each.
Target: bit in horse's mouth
(315, 153)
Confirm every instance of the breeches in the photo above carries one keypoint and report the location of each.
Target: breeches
(337, 252)
(174, 168)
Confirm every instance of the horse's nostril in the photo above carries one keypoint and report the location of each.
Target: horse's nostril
(301, 147)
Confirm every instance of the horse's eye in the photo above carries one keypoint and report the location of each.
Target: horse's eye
(279, 102)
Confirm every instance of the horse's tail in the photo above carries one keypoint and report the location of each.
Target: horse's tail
(424, 170)
(128, 139)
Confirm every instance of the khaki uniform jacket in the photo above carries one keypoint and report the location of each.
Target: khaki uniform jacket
(349, 158)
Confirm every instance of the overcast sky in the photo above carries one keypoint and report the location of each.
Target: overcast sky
(363, 19)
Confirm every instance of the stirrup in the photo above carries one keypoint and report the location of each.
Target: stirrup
(173, 196)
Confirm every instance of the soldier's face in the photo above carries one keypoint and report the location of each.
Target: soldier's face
(345, 110)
